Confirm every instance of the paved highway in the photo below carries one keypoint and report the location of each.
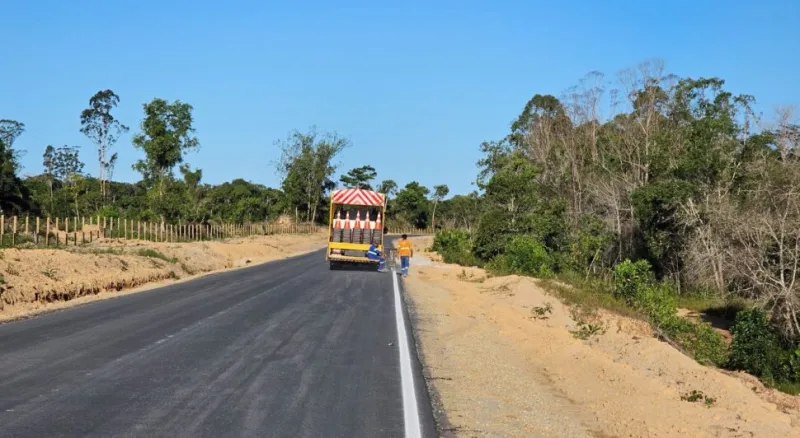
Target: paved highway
(285, 349)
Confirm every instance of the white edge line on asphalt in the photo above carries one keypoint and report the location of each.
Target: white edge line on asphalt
(410, 410)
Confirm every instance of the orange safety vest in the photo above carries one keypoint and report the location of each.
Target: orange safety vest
(405, 249)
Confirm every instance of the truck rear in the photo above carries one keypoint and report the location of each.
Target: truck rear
(356, 222)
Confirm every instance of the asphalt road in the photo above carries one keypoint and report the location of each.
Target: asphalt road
(285, 349)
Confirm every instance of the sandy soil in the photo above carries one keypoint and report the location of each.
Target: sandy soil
(37, 280)
(495, 369)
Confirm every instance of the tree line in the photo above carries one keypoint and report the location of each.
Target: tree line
(675, 185)
(170, 190)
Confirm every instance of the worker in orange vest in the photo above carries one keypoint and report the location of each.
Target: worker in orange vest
(405, 251)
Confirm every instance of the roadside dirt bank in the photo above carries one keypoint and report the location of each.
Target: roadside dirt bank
(40, 280)
(496, 368)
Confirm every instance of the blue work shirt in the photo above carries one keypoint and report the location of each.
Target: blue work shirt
(373, 252)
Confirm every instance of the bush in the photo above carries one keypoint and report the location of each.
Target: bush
(758, 350)
(455, 246)
(698, 339)
(631, 279)
(524, 256)
(635, 283)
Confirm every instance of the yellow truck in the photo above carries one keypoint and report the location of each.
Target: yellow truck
(356, 222)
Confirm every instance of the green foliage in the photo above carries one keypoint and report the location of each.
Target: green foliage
(524, 256)
(151, 253)
(359, 178)
(411, 205)
(635, 284)
(455, 247)
(656, 205)
(588, 243)
(631, 279)
(306, 165)
(103, 129)
(14, 195)
(758, 350)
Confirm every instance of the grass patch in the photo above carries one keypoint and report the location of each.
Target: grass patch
(792, 388)
(541, 312)
(696, 396)
(589, 294)
(107, 251)
(147, 252)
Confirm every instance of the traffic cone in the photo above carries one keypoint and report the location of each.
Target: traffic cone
(348, 223)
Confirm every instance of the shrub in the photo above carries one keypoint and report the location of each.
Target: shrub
(758, 350)
(455, 246)
(524, 256)
(635, 283)
(631, 279)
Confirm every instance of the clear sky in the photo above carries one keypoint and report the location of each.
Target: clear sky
(415, 85)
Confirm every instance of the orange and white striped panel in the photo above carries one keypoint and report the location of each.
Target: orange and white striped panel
(357, 197)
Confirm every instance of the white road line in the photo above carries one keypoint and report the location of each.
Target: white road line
(410, 410)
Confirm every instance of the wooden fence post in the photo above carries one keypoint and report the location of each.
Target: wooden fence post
(14, 232)
(36, 233)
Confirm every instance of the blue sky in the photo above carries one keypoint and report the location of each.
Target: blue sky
(416, 86)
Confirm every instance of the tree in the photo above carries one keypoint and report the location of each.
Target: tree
(103, 130)
(388, 187)
(411, 204)
(439, 193)
(306, 165)
(192, 180)
(14, 196)
(9, 131)
(167, 134)
(359, 177)
(68, 168)
(48, 161)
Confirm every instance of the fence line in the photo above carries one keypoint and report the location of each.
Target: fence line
(47, 231)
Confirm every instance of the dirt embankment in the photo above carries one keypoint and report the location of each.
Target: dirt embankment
(35, 280)
(499, 363)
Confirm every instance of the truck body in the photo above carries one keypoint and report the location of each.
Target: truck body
(356, 222)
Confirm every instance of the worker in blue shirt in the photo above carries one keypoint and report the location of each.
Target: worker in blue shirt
(373, 253)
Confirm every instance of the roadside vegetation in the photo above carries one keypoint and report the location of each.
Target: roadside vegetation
(172, 191)
(648, 194)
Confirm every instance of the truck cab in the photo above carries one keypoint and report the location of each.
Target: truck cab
(356, 222)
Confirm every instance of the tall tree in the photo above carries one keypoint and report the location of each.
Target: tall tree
(68, 168)
(103, 130)
(167, 134)
(49, 164)
(388, 187)
(10, 130)
(306, 165)
(439, 193)
(412, 204)
(14, 196)
(192, 179)
(359, 178)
